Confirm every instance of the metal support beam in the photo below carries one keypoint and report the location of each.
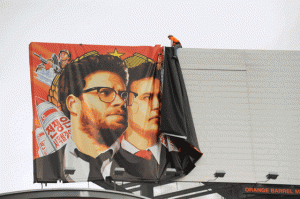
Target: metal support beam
(135, 189)
(110, 186)
(147, 189)
(223, 192)
(187, 191)
(196, 195)
(130, 184)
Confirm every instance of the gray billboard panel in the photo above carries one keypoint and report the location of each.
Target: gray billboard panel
(245, 106)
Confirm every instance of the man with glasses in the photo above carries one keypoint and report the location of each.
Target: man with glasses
(92, 93)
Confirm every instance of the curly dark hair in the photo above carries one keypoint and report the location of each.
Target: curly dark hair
(72, 78)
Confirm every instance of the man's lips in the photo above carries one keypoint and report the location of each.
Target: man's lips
(154, 117)
(123, 114)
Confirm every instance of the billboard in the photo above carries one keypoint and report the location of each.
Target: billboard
(97, 112)
(245, 107)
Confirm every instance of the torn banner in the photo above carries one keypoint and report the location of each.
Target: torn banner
(96, 110)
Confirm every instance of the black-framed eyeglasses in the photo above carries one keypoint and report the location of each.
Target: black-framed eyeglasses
(107, 94)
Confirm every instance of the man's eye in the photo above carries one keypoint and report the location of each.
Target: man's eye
(147, 97)
(105, 93)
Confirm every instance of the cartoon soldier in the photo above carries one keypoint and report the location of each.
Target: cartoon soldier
(53, 62)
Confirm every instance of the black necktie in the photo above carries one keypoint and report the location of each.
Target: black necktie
(95, 163)
(104, 156)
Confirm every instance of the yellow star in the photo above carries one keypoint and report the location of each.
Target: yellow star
(116, 54)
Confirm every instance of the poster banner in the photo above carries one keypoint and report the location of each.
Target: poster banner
(96, 114)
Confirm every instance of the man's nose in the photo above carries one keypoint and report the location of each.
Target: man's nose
(118, 101)
(155, 103)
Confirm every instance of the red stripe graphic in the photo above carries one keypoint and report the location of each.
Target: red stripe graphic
(47, 113)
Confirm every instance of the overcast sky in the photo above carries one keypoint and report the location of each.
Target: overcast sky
(214, 24)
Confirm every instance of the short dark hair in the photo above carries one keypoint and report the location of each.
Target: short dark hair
(142, 71)
(72, 80)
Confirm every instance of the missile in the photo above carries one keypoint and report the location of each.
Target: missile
(44, 144)
(56, 125)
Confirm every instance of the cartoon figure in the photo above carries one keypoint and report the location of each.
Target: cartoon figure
(50, 68)
(64, 59)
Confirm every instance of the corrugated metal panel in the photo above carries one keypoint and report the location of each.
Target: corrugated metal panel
(274, 89)
(245, 105)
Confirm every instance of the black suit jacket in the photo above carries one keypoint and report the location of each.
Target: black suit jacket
(138, 169)
(50, 168)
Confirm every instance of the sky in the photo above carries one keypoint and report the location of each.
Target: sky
(209, 24)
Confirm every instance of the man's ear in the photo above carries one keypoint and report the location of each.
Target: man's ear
(73, 104)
